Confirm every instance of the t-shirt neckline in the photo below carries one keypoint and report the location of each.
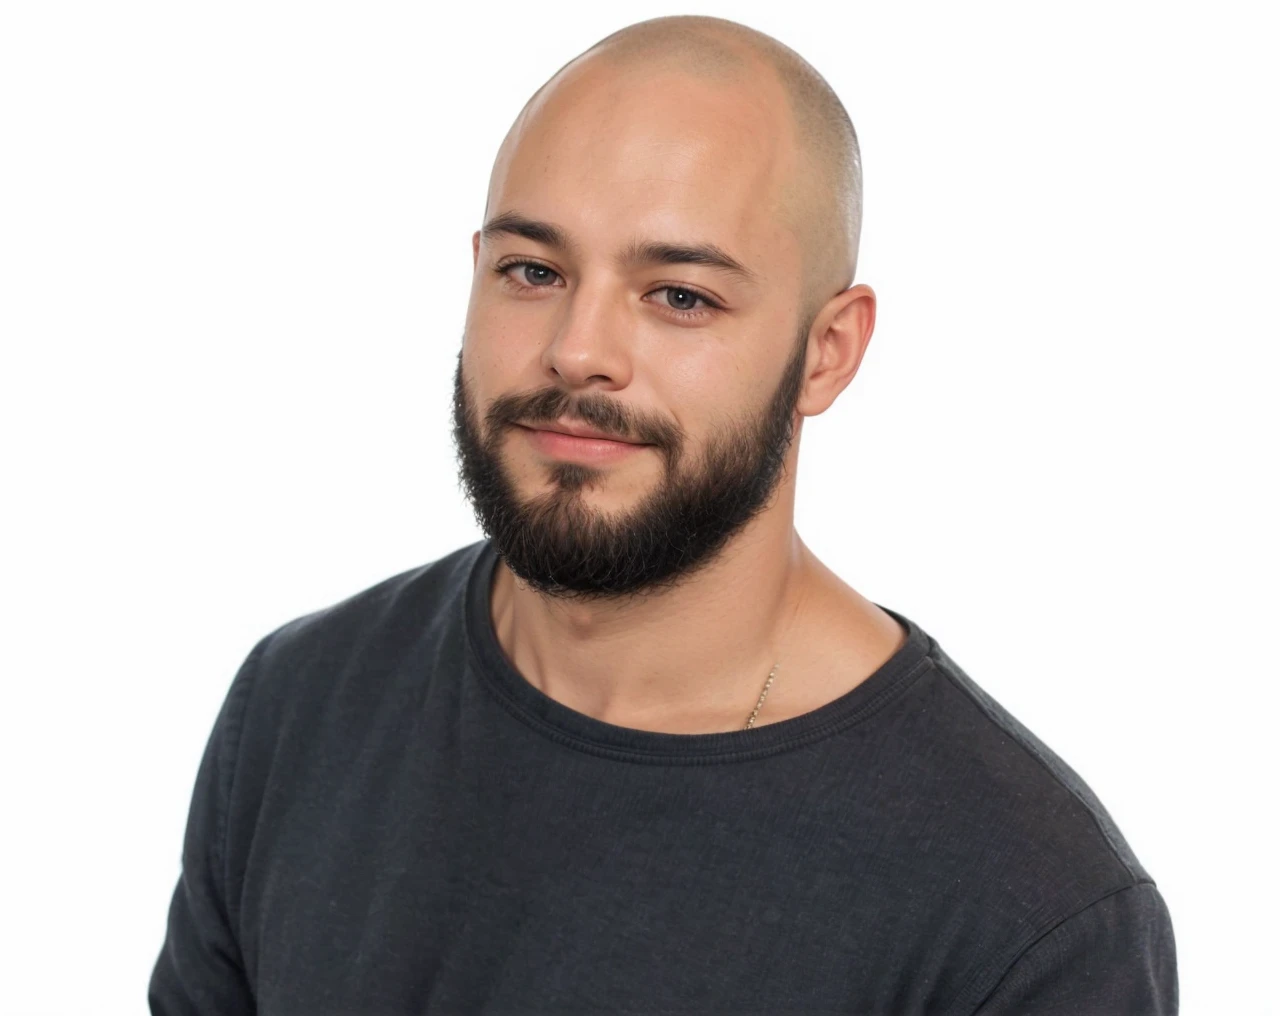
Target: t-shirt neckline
(574, 729)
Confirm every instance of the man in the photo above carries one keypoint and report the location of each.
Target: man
(639, 751)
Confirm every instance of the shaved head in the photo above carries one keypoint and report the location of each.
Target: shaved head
(820, 200)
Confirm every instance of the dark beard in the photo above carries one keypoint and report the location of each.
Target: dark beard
(562, 547)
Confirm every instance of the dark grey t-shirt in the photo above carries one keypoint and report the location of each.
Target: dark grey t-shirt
(389, 819)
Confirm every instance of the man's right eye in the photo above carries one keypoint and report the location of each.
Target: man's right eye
(536, 275)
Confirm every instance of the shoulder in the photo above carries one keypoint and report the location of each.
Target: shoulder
(1039, 866)
(319, 686)
(1117, 954)
(396, 609)
(1045, 799)
(345, 651)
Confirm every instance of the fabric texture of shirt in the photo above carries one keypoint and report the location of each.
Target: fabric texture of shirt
(389, 819)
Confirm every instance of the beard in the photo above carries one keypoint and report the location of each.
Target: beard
(565, 548)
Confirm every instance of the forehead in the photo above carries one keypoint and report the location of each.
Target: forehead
(613, 154)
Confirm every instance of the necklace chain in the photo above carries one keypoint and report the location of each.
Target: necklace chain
(752, 718)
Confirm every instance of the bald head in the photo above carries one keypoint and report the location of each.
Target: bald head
(820, 197)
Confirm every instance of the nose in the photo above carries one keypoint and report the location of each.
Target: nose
(592, 342)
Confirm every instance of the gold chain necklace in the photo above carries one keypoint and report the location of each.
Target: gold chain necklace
(752, 718)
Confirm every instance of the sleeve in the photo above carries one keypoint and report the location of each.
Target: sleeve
(200, 971)
(1117, 956)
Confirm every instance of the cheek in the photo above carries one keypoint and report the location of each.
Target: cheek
(493, 360)
(494, 320)
(708, 388)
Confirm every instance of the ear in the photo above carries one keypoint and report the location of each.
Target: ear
(475, 249)
(841, 331)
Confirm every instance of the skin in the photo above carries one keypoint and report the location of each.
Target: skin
(611, 152)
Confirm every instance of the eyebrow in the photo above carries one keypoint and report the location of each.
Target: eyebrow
(635, 254)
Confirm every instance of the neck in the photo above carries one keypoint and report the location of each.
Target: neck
(696, 654)
(692, 659)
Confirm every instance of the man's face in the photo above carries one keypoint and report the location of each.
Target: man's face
(700, 367)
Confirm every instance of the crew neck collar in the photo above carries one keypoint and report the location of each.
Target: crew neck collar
(561, 723)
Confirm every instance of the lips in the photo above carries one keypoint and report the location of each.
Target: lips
(554, 444)
(576, 430)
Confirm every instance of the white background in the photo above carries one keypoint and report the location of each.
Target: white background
(234, 268)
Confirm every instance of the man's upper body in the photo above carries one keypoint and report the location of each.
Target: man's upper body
(390, 819)
(519, 779)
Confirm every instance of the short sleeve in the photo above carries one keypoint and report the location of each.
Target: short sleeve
(1117, 956)
(199, 971)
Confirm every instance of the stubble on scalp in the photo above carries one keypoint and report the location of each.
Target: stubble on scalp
(822, 205)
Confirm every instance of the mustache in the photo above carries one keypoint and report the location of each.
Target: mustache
(599, 412)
